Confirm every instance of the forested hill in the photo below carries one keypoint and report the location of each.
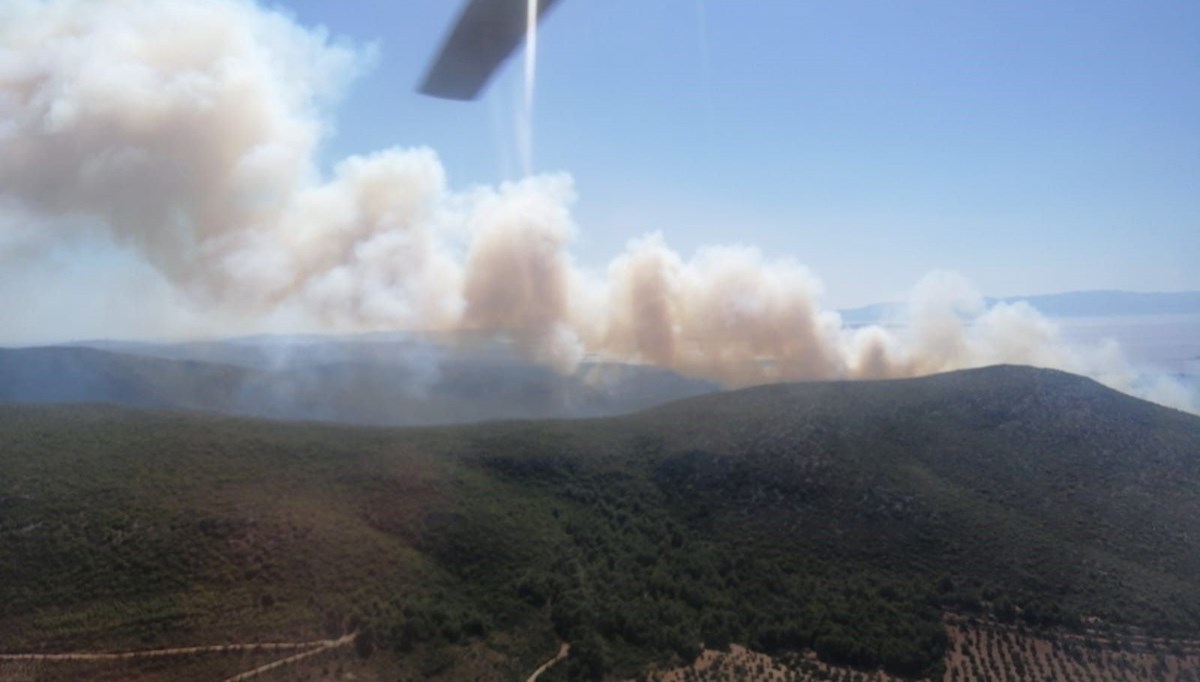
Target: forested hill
(842, 517)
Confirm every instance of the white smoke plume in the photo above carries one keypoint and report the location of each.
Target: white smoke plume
(186, 132)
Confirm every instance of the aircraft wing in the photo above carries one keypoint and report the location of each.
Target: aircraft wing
(485, 35)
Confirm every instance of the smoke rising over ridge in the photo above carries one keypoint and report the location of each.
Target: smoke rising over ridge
(186, 133)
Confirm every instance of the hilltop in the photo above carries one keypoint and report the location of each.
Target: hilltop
(844, 518)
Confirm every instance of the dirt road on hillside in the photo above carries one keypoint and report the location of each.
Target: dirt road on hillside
(562, 653)
(330, 644)
(261, 647)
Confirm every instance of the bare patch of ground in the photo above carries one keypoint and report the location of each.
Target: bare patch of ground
(740, 663)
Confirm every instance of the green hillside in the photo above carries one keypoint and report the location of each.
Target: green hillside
(843, 517)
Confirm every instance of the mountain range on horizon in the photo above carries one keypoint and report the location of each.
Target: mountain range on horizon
(1070, 304)
(397, 379)
(367, 382)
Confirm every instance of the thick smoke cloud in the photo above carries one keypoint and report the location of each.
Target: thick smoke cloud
(186, 132)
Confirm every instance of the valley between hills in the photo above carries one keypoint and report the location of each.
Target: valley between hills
(997, 523)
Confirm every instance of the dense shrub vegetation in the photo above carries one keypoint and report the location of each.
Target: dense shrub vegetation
(844, 518)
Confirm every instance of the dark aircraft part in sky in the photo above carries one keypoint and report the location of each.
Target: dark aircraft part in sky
(486, 34)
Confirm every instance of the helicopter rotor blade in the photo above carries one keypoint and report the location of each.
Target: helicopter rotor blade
(485, 34)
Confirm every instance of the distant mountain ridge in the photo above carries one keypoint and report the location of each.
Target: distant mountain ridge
(373, 382)
(1097, 303)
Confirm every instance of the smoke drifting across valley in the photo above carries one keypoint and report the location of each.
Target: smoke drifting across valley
(185, 132)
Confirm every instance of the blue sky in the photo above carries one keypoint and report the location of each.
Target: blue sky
(1034, 147)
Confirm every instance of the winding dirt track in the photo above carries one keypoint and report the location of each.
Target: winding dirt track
(562, 653)
(307, 649)
(329, 644)
(183, 651)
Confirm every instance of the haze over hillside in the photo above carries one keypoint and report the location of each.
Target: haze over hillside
(838, 516)
(351, 380)
(408, 379)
